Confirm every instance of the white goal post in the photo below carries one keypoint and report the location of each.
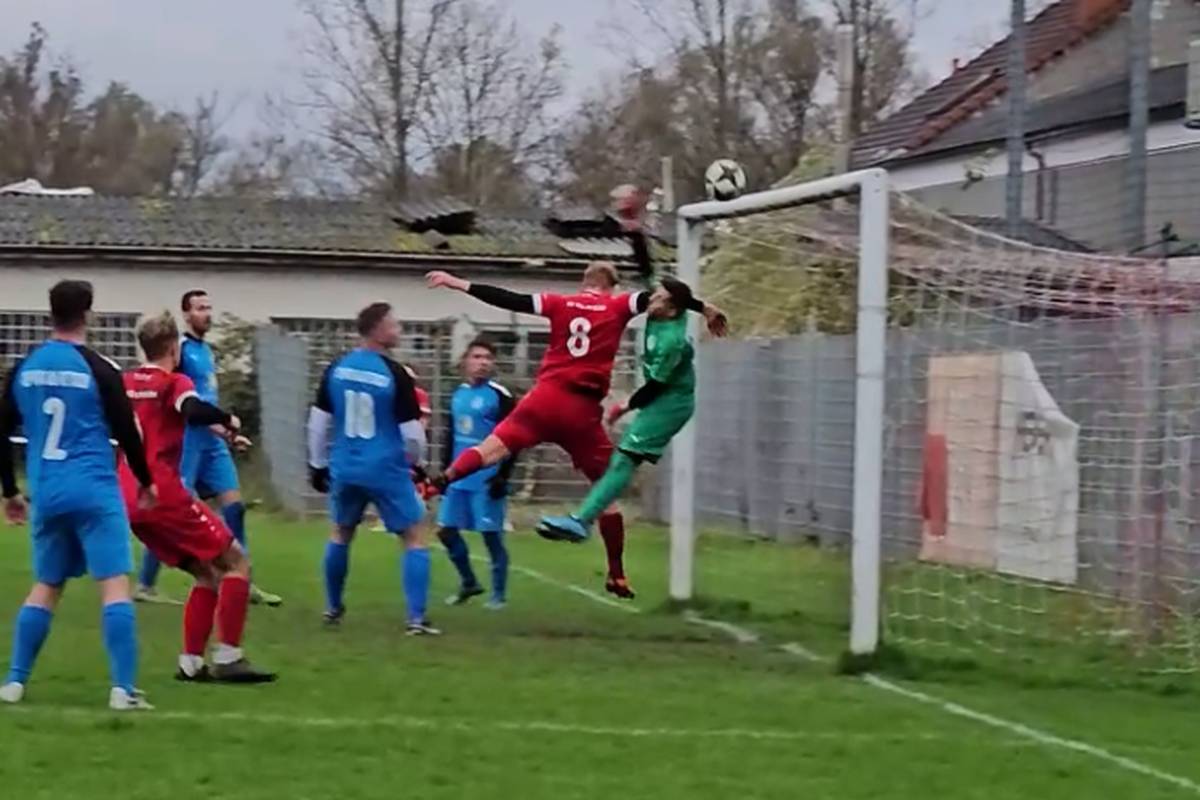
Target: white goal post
(871, 186)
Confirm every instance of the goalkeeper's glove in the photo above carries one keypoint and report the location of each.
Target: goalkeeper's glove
(497, 487)
(318, 479)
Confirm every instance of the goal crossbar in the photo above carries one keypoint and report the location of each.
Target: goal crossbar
(871, 186)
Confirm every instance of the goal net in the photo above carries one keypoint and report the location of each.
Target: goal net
(938, 437)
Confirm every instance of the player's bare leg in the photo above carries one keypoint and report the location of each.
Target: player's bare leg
(336, 567)
(489, 452)
(415, 565)
(230, 664)
(30, 632)
(234, 513)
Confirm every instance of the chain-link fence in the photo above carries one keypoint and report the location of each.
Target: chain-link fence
(291, 355)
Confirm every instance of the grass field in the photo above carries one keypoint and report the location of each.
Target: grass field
(563, 695)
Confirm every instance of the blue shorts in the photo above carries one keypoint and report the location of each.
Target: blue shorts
(94, 541)
(207, 465)
(472, 510)
(399, 506)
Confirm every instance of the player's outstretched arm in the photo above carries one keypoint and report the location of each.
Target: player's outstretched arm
(492, 295)
(202, 414)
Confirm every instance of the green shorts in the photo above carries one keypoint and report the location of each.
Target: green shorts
(655, 426)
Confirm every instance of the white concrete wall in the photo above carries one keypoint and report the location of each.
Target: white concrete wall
(259, 294)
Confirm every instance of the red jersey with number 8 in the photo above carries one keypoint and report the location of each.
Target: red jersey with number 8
(585, 335)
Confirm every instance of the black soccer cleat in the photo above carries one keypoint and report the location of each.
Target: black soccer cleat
(619, 587)
(241, 671)
(422, 628)
(464, 594)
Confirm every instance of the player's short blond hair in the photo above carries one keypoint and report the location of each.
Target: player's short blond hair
(157, 334)
(601, 275)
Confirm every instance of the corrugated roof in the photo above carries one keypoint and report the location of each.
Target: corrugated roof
(1055, 31)
(219, 224)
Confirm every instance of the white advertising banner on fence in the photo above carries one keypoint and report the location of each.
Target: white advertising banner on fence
(1000, 486)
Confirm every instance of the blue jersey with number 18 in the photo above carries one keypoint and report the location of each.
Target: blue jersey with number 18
(70, 462)
(369, 396)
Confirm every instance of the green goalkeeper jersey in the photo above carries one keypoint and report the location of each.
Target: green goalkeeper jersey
(668, 355)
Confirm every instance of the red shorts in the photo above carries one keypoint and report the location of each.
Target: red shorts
(556, 415)
(180, 529)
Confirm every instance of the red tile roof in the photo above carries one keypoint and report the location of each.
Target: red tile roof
(1054, 32)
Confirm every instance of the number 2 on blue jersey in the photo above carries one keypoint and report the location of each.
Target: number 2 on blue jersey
(56, 409)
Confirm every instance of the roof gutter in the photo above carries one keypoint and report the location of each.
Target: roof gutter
(183, 257)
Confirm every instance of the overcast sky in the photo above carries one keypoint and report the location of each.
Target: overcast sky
(171, 51)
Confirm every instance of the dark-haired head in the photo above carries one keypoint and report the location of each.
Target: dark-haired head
(672, 298)
(70, 302)
(378, 327)
(479, 360)
(197, 311)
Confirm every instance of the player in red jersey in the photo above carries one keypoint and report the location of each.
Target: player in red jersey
(180, 530)
(565, 405)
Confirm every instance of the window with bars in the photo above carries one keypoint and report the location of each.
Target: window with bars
(113, 334)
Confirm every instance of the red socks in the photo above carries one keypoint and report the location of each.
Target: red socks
(233, 601)
(198, 619)
(468, 461)
(612, 530)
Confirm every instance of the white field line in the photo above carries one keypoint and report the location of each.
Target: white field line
(570, 587)
(1038, 737)
(1033, 734)
(465, 726)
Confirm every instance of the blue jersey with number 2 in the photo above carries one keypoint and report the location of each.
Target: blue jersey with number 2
(70, 462)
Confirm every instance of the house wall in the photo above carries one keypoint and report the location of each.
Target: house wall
(259, 294)
(1174, 24)
(1085, 202)
(1083, 184)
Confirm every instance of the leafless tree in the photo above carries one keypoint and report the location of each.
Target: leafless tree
(488, 119)
(369, 70)
(711, 79)
(203, 143)
(885, 70)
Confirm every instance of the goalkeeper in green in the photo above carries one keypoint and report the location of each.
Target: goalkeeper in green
(664, 404)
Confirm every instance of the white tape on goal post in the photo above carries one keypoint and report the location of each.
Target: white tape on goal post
(872, 188)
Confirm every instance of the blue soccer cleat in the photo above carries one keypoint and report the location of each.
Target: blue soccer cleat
(564, 529)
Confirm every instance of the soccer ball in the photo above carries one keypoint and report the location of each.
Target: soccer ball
(724, 179)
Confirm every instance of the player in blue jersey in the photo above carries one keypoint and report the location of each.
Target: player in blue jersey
(371, 403)
(477, 502)
(207, 465)
(70, 402)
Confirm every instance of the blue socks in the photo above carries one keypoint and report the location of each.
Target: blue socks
(499, 555)
(337, 565)
(234, 515)
(149, 573)
(460, 556)
(120, 639)
(415, 566)
(32, 627)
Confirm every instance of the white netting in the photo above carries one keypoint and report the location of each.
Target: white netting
(1041, 405)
